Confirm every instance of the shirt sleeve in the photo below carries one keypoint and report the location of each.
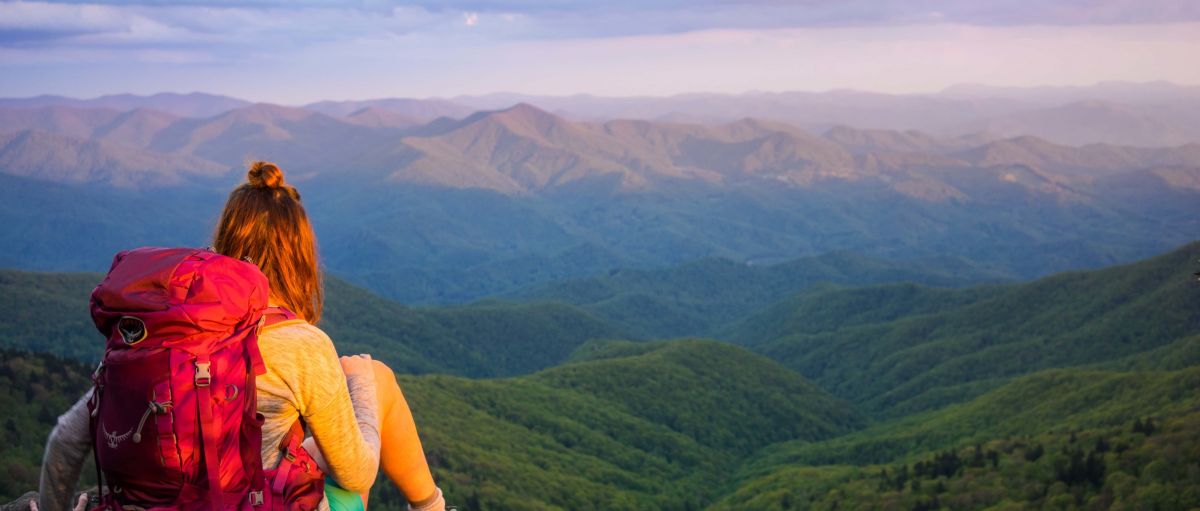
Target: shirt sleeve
(69, 443)
(346, 431)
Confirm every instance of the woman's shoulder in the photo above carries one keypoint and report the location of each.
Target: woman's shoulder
(298, 329)
(302, 359)
(296, 337)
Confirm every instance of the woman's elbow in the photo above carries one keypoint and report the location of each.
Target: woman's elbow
(362, 480)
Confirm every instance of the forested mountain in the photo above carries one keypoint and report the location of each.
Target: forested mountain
(436, 245)
(669, 425)
(1045, 401)
(704, 297)
(657, 429)
(1145, 463)
(900, 349)
(34, 390)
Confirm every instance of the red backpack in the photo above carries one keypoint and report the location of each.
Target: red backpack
(173, 411)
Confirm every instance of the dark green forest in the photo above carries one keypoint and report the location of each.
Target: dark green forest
(897, 350)
(702, 297)
(1148, 463)
(1075, 391)
(34, 390)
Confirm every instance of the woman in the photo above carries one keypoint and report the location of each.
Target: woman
(353, 407)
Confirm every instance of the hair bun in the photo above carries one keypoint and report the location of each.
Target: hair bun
(264, 174)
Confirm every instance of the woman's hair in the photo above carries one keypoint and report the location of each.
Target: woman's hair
(264, 222)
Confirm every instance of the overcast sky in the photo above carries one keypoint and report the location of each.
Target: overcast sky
(299, 51)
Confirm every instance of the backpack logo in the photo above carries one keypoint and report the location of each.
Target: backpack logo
(132, 329)
(113, 439)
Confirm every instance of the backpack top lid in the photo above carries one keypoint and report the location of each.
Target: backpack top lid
(184, 298)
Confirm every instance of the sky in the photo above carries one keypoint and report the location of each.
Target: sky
(298, 51)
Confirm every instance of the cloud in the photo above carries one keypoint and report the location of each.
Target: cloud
(26, 23)
(615, 18)
(223, 30)
(229, 26)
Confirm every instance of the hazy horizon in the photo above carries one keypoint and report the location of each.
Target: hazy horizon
(942, 90)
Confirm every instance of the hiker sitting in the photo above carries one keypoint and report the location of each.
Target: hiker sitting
(352, 406)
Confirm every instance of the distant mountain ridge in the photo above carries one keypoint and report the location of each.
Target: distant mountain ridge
(1122, 113)
(523, 149)
(31, 153)
(195, 104)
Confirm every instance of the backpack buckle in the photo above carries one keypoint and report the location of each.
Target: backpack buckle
(256, 498)
(203, 377)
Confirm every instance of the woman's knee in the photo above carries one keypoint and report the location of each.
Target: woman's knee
(386, 386)
(383, 373)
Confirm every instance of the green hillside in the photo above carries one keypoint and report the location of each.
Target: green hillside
(48, 312)
(703, 296)
(1056, 439)
(664, 429)
(1146, 463)
(657, 430)
(34, 390)
(485, 339)
(1047, 400)
(1077, 391)
(896, 350)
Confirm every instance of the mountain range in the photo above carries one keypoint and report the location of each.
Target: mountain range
(1143, 114)
(454, 210)
(523, 149)
(462, 206)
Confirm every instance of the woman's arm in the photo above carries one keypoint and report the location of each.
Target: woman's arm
(346, 432)
(69, 443)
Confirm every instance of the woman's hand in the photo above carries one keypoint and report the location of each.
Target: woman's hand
(357, 364)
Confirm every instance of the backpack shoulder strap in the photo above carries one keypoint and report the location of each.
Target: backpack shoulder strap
(275, 315)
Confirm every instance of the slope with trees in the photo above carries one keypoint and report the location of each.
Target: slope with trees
(958, 344)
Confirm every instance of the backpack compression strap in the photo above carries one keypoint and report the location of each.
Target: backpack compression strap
(210, 424)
